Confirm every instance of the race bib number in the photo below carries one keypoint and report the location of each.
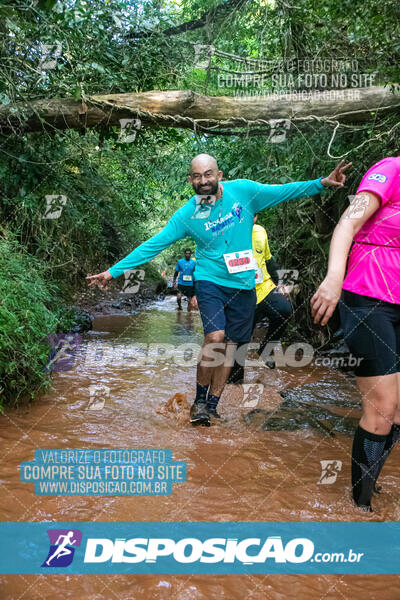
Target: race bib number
(259, 276)
(237, 262)
(187, 277)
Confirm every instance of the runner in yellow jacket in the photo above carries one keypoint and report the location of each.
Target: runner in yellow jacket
(262, 254)
(272, 301)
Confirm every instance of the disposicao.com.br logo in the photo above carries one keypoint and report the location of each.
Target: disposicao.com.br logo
(189, 550)
(62, 547)
(195, 548)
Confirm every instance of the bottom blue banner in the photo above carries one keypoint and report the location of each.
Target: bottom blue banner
(191, 548)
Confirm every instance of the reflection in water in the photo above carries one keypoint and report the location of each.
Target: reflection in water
(237, 470)
(187, 320)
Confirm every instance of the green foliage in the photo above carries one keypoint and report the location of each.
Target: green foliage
(25, 320)
(100, 47)
(103, 203)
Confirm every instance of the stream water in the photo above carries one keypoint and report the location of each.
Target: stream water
(252, 465)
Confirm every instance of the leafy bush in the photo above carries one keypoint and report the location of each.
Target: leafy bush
(25, 321)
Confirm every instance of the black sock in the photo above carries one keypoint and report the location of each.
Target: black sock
(212, 402)
(367, 452)
(391, 440)
(201, 393)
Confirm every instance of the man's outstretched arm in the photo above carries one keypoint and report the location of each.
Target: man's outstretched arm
(173, 231)
(264, 195)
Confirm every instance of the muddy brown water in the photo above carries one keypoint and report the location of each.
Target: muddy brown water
(236, 470)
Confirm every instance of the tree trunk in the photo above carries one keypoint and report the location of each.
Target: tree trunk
(187, 109)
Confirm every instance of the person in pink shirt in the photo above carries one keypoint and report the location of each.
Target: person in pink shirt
(369, 302)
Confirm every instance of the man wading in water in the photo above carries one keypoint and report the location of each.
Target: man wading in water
(184, 272)
(220, 220)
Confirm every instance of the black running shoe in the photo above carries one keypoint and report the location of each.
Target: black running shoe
(199, 414)
(213, 412)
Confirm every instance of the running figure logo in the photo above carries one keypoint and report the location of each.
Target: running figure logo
(63, 349)
(329, 471)
(358, 205)
(61, 552)
(288, 278)
(252, 393)
(204, 202)
(54, 206)
(133, 279)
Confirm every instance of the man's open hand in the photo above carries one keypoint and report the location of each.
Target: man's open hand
(101, 280)
(337, 178)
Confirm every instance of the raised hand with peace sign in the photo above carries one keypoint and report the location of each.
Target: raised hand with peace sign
(337, 178)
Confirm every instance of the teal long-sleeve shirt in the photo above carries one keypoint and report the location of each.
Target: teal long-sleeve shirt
(222, 228)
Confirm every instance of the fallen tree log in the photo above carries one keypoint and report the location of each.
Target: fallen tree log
(187, 109)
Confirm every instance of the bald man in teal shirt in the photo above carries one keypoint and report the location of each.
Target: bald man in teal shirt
(219, 218)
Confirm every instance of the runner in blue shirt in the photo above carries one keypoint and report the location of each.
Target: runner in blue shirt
(185, 273)
(219, 218)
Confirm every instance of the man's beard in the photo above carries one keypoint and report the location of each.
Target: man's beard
(210, 190)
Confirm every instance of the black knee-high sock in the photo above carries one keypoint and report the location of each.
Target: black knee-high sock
(367, 452)
(236, 374)
(391, 440)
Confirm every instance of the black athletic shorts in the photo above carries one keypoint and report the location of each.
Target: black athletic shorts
(186, 290)
(226, 309)
(372, 333)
